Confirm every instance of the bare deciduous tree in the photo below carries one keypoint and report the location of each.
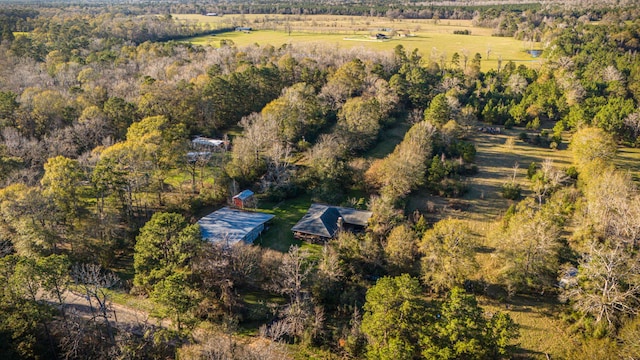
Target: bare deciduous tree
(607, 285)
(529, 249)
(633, 122)
(296, 268)
(95, 284)
(279, 167)
(612, 206)
(517, 83)
(547, 179)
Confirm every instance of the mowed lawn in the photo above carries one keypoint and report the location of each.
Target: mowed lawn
(430, 38)
(287, 213)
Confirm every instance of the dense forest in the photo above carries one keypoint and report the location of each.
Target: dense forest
(98, 198)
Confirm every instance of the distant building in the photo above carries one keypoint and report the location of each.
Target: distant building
(323, 222)
(244, 199)
(198, 156)
(379, 36)
(233, 225)
(201, 142)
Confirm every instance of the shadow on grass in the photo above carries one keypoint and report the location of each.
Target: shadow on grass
(261, 308)
(485, 249)
(287, 213)
(388, 140)
(123, 267)
(521, 353)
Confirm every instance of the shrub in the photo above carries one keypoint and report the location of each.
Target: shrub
(511, 211)
(534, 124)
(523, 136)
(532, 170)
(572, 172)
(511, 191)
(451, 188)
(509, 123)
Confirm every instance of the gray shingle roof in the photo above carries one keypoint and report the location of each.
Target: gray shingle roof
(322, 220)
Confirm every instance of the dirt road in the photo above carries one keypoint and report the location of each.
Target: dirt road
(117, 313)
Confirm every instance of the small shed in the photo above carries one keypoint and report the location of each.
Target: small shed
(233, 225)
(322, 222)
(244, 199)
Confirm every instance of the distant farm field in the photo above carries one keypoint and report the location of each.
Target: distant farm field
(432, 39)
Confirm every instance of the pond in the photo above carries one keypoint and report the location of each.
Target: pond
(534, 53)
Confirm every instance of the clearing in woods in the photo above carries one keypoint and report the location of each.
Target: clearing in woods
(483, 203)
(433, 39)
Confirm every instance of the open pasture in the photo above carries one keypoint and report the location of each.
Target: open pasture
(433, 39)
(496, 161)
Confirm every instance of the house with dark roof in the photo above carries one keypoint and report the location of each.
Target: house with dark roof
(233, 225)
(323, 222)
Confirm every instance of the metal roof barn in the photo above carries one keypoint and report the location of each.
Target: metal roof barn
(203, 141)
(232, 225)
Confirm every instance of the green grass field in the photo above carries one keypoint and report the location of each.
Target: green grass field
(542, 334)
(390, 138)
(629, 159)
(288, 213)
(430, 38)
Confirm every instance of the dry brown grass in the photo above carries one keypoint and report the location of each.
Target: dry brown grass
(483, 203)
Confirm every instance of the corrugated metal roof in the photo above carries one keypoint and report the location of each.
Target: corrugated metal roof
(206, 141)
(231, 225)
(244, 195)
